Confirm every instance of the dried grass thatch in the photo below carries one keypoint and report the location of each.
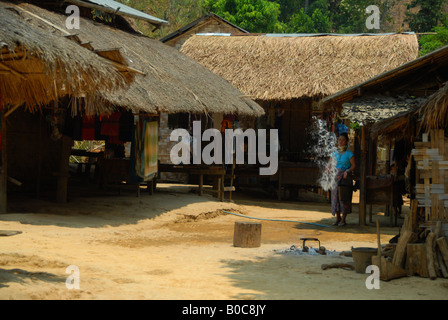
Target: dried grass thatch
(431, 113)
(172, 83)
(434, 113)
(396, 127)
(37, 67)
(278, 68)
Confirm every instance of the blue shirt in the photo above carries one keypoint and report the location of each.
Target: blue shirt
(343, 160)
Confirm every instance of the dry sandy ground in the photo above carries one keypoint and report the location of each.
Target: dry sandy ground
(177, 245)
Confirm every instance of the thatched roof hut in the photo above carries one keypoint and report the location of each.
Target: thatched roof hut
(210, 23)
(422, 76)
(172, 82)
(421, 81)
(37, 67)
(280, 67)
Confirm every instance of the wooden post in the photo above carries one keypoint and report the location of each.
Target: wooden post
(201, 184)
(63, 174)
(363, 177)
(3, 170)
(39, 158)
(247, 234)
(279, 192)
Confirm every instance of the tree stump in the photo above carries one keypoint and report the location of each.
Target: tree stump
(247, 234)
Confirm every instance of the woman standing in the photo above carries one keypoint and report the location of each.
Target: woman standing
(346, 165)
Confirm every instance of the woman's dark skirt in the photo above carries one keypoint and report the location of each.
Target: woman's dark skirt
(340, 204)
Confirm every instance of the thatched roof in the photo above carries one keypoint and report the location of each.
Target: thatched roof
(197, 23)
(396, 127)
(37, 67)
(434, 113)
(417, 77)
(275, 67)
(172, 83)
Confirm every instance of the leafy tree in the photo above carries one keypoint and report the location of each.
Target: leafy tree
(303, 23)
(251, 15)
(431, 42)
(349, 16)
(430, 15)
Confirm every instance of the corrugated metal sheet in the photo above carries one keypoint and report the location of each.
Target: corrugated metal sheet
(121, 9)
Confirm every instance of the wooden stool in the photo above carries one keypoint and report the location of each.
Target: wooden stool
(247, 234)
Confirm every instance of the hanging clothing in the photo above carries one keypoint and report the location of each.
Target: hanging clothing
(146, 148)
(88, 128)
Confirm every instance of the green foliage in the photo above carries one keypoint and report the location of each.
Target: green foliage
(429, 43)
(297, 16)
(251, 15)
(303, 23)
(429, 15)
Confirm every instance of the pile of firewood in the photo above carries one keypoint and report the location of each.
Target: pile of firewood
(419, 251)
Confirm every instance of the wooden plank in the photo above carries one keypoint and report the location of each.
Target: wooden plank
(443, 247)
(413, 215)
(400, 252)
(441, 142)
(430, 239)
(419, 145)
(416, 260)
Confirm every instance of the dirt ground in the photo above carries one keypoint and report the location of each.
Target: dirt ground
(177, 245)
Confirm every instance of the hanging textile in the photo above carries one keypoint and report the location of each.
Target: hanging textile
(110, 126)
(146, 148)
(150, 150)
(88, 128)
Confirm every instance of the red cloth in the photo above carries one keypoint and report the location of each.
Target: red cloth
(88, 128)
(110, 126)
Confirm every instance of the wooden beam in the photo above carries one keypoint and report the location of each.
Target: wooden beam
(3, 170)
(11, 110)
(363, 177)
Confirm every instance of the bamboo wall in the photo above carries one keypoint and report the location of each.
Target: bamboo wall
(431, 158)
